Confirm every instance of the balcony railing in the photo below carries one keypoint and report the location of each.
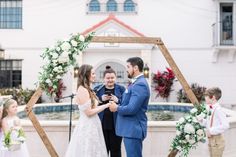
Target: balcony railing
(223, 34)
(115, 8)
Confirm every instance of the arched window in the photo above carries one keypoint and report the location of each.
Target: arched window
(129, 5)
(94, 5)
(111, 5)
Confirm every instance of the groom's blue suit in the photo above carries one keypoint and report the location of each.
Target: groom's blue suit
(131, 123)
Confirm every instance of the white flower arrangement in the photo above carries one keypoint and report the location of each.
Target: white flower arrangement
(13, 139)
(58, 60)
(189, 131)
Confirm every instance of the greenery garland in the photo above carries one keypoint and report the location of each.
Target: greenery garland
(58, 60)
(189, 131)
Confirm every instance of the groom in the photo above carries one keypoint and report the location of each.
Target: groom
(131, 123)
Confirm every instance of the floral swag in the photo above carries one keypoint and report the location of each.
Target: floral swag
(59, 59)
(189, 132)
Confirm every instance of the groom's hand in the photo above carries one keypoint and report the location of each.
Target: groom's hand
(113, 106)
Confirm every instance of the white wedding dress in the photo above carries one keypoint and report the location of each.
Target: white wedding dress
(87, 139)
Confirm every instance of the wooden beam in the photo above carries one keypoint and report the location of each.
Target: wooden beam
(181, 79)
(36, 124)
(42, 134)
(144, 40)
(33, 100)
(178, 73)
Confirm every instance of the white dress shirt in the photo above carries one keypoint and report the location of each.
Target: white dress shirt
(219, 121)
(135, 78)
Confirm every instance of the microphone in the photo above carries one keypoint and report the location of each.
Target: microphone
(64, 97)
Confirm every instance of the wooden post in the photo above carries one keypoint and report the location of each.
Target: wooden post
(181, 79)
(36, 123)
(178, 73)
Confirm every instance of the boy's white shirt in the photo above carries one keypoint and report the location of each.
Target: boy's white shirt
(220, 123)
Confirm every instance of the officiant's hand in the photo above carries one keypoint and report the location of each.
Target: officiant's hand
(113, 106)
(114, 98)
(105, 97)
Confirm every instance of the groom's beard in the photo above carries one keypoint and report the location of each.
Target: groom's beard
(130, 75)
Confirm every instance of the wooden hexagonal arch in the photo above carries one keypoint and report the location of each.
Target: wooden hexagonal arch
(101, 39)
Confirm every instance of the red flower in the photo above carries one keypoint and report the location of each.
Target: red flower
(163, 82)
(60, 88)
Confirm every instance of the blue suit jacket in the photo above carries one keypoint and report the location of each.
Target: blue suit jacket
(100, 90)
(131, 119)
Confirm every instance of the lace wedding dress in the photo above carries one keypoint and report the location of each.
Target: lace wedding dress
(87, 139)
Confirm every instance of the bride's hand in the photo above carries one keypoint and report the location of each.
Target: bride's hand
(108, 105)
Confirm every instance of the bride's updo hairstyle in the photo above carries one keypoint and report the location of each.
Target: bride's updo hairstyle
(84, 74)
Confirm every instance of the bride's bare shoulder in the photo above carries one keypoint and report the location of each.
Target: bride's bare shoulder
(82, 95)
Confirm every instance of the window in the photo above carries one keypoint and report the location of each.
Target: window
(111, 5)
(121, 74)
(226, 24)
(10, 73)
(10, 14)
(94, 6)
(129, 6)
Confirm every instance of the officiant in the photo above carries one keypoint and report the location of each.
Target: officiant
(110, 91)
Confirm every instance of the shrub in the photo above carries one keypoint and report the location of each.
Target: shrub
(22, 96)
(197, 90)
(163, 82)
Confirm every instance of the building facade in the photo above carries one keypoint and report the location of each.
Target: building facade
(200, 36)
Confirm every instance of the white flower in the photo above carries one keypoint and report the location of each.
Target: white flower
(48, 81)
(54, 87)
(188, 117)
(178, 132)
(65, 46)
(54, 55)
(200, 133)
(187, 137)
(191, 141)
(188, 128)
(58, 77)
(21, 139)
(195, 120)
(73, 43)
(58, 49)
(201, 116)
(194, 110)
(64, 57)
(55, 69)
(178, 147)
(81, 38)
(181, 120)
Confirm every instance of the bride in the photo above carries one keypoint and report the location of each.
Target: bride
(87, 139)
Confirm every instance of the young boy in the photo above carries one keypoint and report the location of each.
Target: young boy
(216, 124)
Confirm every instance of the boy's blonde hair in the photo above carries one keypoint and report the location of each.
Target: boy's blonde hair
(214, 91)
